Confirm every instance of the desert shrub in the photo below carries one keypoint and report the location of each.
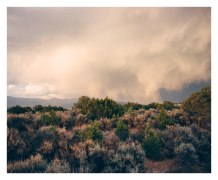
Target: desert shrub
(64, 135)
(33, 165)
(21, 136)
(152, 147)
(67, 119)
(173, 136)
(137, 135)
(203, 146)
(122, 131)
(20, 123)
(114, 121)
(76, 137)
(97, 159)
(200, 139)
(79, 155)
(16, 146)
(36, 122)
(48, 133)
(110, 141)
(91, 139)
(46, 142)
(129, 158)
(186, 155)
(81, 119)
(93, 132)
(204, 152)
(180, 117)
(139, 120)
(77, 160)
(185, 135)
(58, 166)
(105, 124)
(128, 119)
(167, 141)
(196, 130)
(198, 105)
(47, 150)
(151, 123)
(65, 140)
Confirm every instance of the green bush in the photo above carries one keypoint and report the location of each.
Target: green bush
(99, 108)
(48, 108)
(93, 132)
(167, 105)
(19, 110)
(150, 106)
(152, 147)
(122, 131)
(163, 119)
(50, 119)
(130, 106)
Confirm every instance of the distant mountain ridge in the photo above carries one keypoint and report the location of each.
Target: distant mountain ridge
(65, 103)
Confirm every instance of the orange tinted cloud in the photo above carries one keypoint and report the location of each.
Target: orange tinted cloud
(123, 53)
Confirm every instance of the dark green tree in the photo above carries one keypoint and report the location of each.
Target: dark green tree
(19, 110)
(122, 131)
(198, 105)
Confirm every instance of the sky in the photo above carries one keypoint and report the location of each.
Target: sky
(128, 54)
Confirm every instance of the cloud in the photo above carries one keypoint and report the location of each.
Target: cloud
(124, 53)
(32, 90)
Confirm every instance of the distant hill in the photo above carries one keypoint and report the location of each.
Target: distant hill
(65, 103)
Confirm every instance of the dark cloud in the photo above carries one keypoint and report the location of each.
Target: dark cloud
(180, 95)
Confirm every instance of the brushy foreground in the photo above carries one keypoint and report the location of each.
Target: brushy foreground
(102, 136)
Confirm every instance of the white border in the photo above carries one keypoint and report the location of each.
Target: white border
(103, 3)
(112, 3)
(3, 90)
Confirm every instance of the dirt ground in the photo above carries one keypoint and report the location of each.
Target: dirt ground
(159, 166)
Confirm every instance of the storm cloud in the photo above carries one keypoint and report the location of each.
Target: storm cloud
(127, 54)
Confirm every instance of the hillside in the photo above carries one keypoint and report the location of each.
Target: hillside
(103, 136)
(65, 103)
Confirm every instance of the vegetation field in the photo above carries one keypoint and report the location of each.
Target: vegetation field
(103, 136)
